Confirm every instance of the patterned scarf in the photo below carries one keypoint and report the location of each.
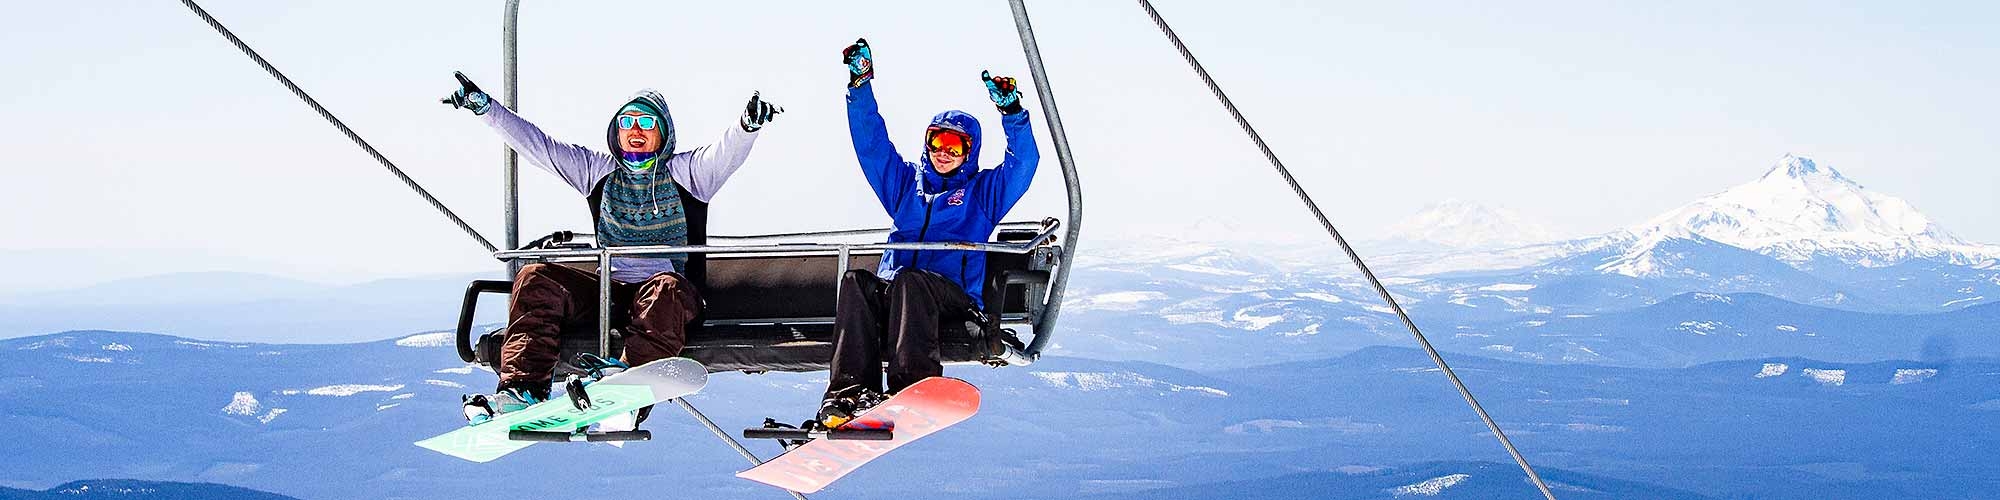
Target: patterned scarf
(643, 208)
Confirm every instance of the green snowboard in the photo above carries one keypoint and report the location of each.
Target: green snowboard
(626, 391)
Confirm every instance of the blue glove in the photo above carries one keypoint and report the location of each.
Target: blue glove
(468, 96)
(860, 63)
(758, 112)
(1002, 89)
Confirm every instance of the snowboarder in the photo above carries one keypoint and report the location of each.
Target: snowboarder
(635, 194)
(944, 196)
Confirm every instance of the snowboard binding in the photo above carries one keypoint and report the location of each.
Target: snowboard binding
(834, 414)
(594, 368)
(845, 404)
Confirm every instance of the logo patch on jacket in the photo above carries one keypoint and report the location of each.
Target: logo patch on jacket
(957, 198)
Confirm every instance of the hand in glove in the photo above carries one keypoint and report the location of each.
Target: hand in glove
(758, 112)
(468, 96)
(1005, 94)
(860, 63)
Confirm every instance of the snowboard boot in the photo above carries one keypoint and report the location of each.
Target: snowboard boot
(481, 408)
(843, 405)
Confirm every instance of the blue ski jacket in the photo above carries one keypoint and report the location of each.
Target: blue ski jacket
(925, 206)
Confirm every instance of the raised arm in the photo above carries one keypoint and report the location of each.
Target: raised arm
(1009, 182)
(576, 165)
(891, 177)
(704, 169)
(579, 166)
(885, 169)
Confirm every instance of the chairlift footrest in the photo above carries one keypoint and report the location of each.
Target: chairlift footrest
(806, 434)
(579, 437)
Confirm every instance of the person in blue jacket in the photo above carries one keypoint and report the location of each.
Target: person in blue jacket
(943, 196)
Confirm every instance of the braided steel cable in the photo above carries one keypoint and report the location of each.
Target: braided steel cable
(1344, 246)
(323, 113)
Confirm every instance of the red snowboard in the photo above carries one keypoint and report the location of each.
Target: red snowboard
(919, 410)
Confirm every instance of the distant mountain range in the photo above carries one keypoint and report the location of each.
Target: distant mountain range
(247, 307)
(1802, 231)
(1463, 225)
(139, 490)
(336, 421)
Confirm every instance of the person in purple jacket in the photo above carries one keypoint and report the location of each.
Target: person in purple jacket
(943, 196)
(636, 193)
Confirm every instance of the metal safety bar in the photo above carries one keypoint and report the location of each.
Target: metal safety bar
(853, 232)
(1041, 239)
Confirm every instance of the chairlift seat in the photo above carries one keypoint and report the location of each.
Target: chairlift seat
(774, 312)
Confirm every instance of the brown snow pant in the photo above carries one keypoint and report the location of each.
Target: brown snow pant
(546, 297)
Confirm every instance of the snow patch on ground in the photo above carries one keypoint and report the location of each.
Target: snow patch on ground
(1826, 377)
(1787, 328)
(1959, 301)
(1323, 297)
(434, 339)
(1114, 301)
(206, 345)
(1379, 309)
(1355, 470)
(350, 389)
(1583, 427)
(1101, 381)
(1534, 323)
(1192, 268)
(1400, 281)
(442, 383)
(406, 395)
(244, 404)
(387, 406)
(1254, 322)
(463, 370)
(1595, 401)
(271, 415)
(1268, 425)
(1701, 329)
(1507, 287)
(1127, 297)
(1553, 485)
(1499, 348)
(1713, 297)
(1430, 487)
(54, 342)
(114, 346)
(85, 359)
(1772, 370)
(1312, 329)
(1912, 375)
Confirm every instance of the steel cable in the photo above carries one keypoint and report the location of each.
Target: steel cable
(1344, 246)
(323, 113)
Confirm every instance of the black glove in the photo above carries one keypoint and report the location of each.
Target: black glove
(1005, 94)
(468, 96)
(860, 63)
(758, 112)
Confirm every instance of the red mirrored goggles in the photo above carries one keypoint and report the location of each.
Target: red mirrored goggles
(951, 142)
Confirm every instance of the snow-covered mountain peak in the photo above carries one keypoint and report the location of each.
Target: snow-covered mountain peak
(1802, 169)
(1800, 211)
(1462, 224)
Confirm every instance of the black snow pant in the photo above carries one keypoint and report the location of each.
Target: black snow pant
(901, 315)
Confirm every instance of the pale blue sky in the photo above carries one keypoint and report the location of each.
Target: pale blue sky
(130, 125)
